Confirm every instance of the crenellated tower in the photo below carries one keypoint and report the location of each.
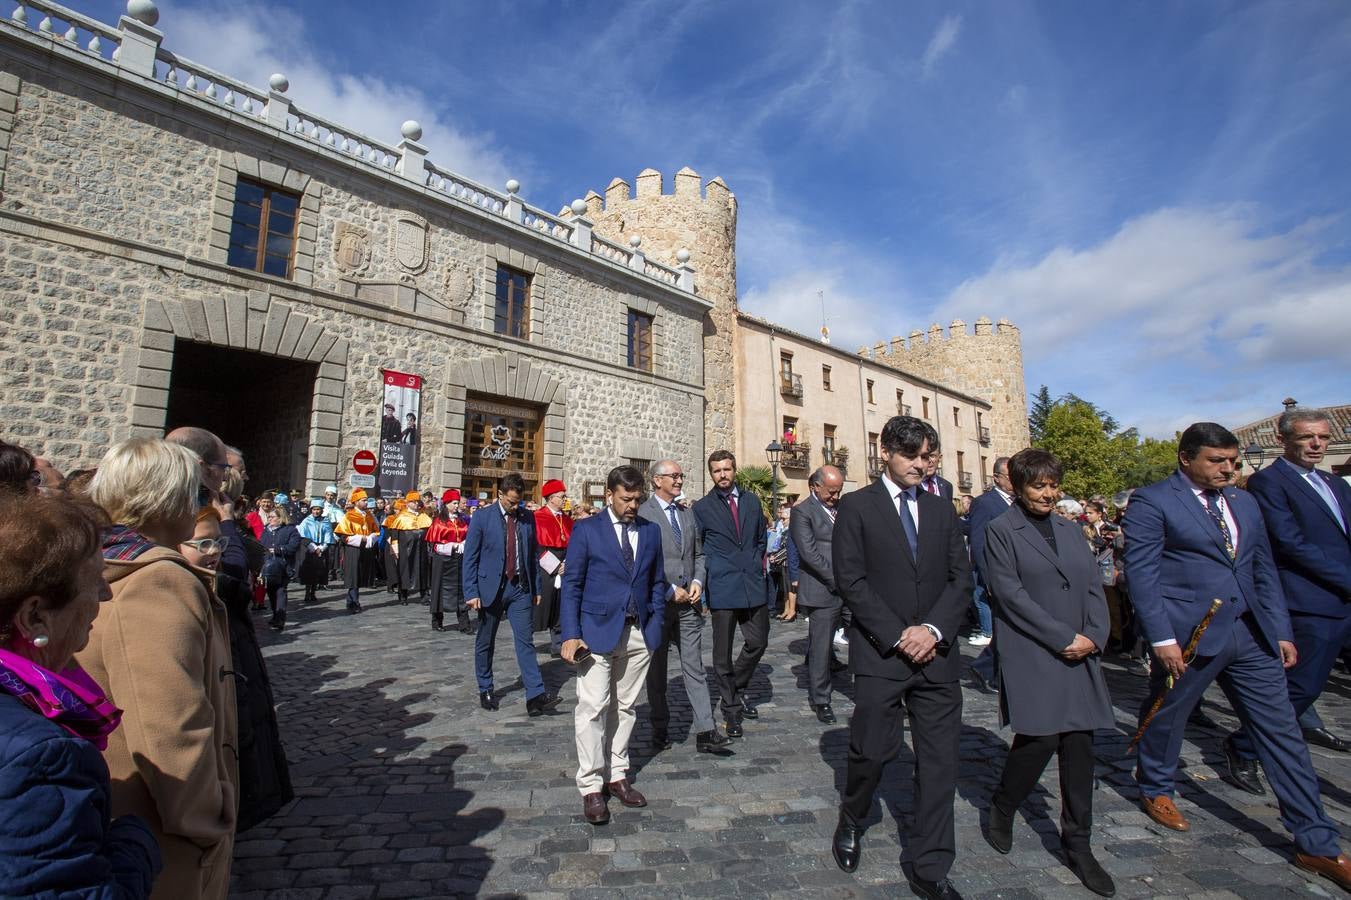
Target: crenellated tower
(987, 364)
(700, 218)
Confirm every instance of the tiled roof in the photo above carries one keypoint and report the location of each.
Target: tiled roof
(1263, 431)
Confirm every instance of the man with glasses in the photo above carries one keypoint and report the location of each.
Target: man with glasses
(684, 621)
(813, 525)
(213, 454)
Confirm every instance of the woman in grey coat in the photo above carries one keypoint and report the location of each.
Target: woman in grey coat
(1050, 627)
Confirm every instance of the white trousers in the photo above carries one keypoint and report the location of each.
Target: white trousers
(607, 690)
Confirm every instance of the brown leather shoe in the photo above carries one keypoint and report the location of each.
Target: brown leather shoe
(1162, 810)
(1335, 869)
(595, 808)
(627, 793)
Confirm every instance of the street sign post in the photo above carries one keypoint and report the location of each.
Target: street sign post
(363, 481)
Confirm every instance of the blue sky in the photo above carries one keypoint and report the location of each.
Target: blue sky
(1156, 193)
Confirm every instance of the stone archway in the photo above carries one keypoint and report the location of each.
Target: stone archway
(254, 322)
(509, 377)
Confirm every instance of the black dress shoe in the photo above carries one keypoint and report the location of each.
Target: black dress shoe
(1323, 738)
(749, 712)
(999, 833)
(934, 890)
(1091, 874)
(824, 714)
(714, 742)
(734, 729)
(1243, 773)
(661, 740)
(847, 845)
(487, 700)
(539, 704)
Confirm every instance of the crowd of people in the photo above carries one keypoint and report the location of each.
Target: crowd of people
(138, 733)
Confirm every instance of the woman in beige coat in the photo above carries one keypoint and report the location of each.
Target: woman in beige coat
(161, 651)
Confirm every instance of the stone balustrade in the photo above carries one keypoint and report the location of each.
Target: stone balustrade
(135, 46)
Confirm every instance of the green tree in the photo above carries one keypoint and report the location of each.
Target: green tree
(1037, 413)
(1073, 431)
(759, 480)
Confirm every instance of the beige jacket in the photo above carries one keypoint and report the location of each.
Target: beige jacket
(161, 649)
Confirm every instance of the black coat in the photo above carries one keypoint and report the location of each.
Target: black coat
(264, 775)
(887, 590)
(283, 542)
(734, 560)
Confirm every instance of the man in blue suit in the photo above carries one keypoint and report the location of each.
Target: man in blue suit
(738, 590)
(613, 604)
(499, 578)
(1307, 514)
(987, 507)
(1190, 539)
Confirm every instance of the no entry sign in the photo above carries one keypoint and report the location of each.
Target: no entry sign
(364, 462)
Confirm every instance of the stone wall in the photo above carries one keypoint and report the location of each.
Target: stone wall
(988, 364)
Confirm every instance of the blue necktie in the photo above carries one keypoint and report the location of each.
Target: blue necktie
(1321, 488)
(675, 524)
(908, 523)
(626, 546)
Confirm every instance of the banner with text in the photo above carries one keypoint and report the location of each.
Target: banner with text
(399, 433)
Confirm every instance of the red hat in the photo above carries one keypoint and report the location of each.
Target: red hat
(552, 486)
(450, 495)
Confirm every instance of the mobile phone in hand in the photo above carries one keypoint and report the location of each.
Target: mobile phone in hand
(582, 654)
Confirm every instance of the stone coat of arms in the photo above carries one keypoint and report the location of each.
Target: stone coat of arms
(351, 248)
(409, 238)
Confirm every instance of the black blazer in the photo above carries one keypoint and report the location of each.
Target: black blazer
(887, 590)
(735, 565)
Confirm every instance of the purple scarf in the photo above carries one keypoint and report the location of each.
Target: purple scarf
(71, 699)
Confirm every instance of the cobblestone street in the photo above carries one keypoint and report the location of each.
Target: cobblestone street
(405, 788)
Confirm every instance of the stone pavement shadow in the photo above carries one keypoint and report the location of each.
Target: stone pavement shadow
(376, 804)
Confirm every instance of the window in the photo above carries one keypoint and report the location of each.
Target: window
(961, 463)
(925, 407)
(263, 229)
(790, 434)
(786, 366)
(957, 416)
(828, 441)
(825, 377)
(870, 391)
(512, 314)
(640, 341)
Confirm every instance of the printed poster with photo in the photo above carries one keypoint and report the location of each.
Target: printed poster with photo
(400, 433)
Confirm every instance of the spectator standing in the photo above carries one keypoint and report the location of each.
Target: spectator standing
(318, 543)
(445, 538)
(553, 529)
(813, 525)
(358, 532)
(281, 543)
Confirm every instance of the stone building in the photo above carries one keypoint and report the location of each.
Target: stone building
(178, 247)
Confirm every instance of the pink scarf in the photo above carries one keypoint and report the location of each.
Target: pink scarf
(71, 698)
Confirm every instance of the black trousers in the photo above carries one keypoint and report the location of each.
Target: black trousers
(881, 707)
(734, 677)
(821, 626)
(1026, 761)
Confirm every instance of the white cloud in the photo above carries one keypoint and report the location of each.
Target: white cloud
(941, 43)
(250, 42)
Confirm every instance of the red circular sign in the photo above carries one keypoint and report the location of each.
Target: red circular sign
(364, 462)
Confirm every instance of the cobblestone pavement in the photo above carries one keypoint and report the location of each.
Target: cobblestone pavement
(405, 788)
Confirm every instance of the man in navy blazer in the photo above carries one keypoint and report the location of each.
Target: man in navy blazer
(987, 507)
(733, 528)
(500, 580)
(613, 603)
(1307, 514)
(1191, 539)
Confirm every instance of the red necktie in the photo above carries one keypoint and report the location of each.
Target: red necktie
(510, 535)
(931, 485)
(736, 518)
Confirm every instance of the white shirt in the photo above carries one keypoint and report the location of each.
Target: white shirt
(666, 507)
(619, 534)
(1223, 504)
(1007, 498)
(912, 501)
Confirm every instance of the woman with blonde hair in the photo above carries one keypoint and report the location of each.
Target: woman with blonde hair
(162, 652)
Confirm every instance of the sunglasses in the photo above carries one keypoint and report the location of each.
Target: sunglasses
(208, 546)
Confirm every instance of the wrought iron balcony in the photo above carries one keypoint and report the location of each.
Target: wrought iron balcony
(790, 385)
(797, 456)
(984, 436)
(903, 409)
(964, 481)
(875, 466)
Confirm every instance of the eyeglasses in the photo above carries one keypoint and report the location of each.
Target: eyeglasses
(674, 476)
(208, 546)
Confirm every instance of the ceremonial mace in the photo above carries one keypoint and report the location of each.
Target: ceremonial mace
(1188, 655)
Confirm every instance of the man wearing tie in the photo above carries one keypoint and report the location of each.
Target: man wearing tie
(733, 530)
(613, 603)
(500, 580)
(1306, 512)
(901, 565)
(812, 524)
(1191, 539)
(683, 555)
(934, 483)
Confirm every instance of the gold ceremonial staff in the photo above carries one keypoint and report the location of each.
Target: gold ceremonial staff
(1188, 655)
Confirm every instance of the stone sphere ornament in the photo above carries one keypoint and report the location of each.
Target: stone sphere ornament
(143, 11)
(682, 256)
(578, 207)
(411, 130)
(513, 186)
(279, 83)
(635, 242)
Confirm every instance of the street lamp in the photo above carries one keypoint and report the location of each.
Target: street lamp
(1254, 456)
(773, 451)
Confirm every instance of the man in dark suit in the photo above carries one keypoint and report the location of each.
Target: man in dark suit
(1191, 539)
(901, 565)
(934, 483)
(733, 530)
(985, 509)
(612, 603)
(684, 620)
(811, 525)
(500, 581)
(1307, 513)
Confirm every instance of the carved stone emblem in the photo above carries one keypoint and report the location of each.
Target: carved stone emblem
(351, 248)
(459, 287)
(410, 242)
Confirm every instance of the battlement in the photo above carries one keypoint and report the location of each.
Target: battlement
(687, 185)
(936, 336)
